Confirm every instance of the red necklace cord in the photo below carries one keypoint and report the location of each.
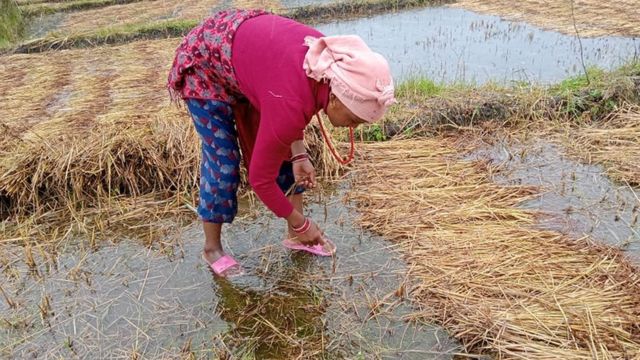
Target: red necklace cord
(333, 150)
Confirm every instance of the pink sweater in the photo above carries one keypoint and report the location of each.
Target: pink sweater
(267, 57)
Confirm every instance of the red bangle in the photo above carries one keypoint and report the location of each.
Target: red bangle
(299, 157)
(306, 225)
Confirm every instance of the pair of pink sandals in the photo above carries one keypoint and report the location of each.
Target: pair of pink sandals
(226, 263)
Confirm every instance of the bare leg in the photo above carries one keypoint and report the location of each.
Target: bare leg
(212, 244)
(213, 247)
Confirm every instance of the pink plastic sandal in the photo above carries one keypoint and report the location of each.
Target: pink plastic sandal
(318, 249)
(220, 266)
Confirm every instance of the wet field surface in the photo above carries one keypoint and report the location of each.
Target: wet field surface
(42, 25)
(578, 199)
(124, 300)
(454, 45)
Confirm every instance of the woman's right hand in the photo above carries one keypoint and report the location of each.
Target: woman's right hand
(312, 236)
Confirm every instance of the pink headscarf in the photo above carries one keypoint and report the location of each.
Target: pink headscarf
(358, 76)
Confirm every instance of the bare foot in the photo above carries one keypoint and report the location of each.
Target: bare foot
(213, 255)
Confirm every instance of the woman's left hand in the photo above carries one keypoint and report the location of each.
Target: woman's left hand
(305, 174)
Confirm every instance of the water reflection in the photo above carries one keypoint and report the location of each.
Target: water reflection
(452, 45)
(580, 199)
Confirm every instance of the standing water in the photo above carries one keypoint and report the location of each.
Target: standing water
(455, 45)
(577, 199)
(129, 301)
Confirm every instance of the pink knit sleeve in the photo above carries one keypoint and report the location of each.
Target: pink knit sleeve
(281, 123)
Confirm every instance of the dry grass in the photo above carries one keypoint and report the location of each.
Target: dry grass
(484, 271)
(615, 143)
(151, 11)
(28, 2)
(94, 129)
(136, 13)
(109, 100)
(270, 5)
(39, 9)
(127, 25)
(592, 17)
(128, 18)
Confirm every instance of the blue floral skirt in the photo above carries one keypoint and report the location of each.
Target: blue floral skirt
(220, 166)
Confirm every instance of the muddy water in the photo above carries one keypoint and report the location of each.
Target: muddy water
(42, 25)
(453, 45)
(578, 199)
(125, 299)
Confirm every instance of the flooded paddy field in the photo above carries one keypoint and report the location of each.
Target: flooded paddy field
(487, 268)
(453, 45)
(576, 199)
(445, 44)
(125, 300)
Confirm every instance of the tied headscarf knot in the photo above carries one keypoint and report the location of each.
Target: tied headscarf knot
(387, 94)
(358, 76)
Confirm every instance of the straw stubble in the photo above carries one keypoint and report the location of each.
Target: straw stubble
(614, 142)
(484, 270)
(94, 129)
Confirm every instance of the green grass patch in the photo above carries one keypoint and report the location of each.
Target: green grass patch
(419, 87)
(596, 92)
(593, 76)
(11, 22)
(426, 105)
(373, 132)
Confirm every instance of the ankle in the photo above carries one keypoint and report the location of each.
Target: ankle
(214, 251)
